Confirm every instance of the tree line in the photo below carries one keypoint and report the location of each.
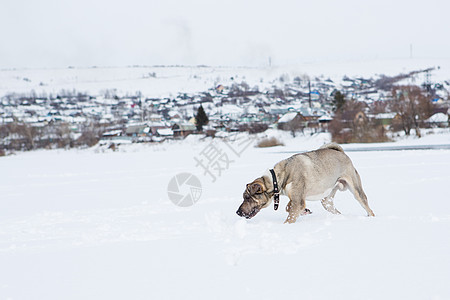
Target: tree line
(411, 105)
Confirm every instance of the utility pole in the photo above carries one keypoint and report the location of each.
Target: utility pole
(309, 94)
(428, 81)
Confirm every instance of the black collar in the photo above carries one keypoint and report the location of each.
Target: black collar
(276, 191)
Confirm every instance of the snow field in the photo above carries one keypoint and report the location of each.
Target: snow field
(97, 224)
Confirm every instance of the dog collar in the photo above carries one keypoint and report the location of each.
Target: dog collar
(276, 191)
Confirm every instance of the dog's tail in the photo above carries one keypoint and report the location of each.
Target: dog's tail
(332, 146)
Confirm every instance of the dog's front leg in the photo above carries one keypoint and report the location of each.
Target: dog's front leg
(305, 212)
(295, 206)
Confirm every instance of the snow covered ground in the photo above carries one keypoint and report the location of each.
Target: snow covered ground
(98, 224)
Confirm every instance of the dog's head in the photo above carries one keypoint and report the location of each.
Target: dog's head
(255, 198)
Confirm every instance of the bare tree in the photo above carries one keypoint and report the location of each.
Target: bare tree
(351, 125)
(412, 106)
(295, 125)
(19, 136)
(63, 135)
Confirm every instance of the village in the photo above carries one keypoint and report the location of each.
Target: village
(75, 119)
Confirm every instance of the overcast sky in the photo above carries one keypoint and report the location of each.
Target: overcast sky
(61, 33)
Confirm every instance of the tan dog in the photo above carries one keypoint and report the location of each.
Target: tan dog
(315, 175)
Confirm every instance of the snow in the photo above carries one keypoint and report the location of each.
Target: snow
(438, 118)
(165, 132)
(98, 224)
(287, 117)
(169, 81)
(113, 132)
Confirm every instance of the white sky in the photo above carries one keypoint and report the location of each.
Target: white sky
(61, 33)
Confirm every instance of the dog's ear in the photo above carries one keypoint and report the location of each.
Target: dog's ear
(256, 188)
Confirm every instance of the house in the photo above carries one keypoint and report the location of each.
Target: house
(155, 118)
(164, 132)
(183, 129)
(324, 121)
(174, 115)
(249, 118)
(137, 130)
(439, 120)
(209, 130)
(325, 118)
(109, 135)
(354, 117)
(385, 119)
(278, 109)
(154, 126)
(290, 121)
(219, 89)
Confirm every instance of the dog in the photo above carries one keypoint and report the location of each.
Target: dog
(314, 175)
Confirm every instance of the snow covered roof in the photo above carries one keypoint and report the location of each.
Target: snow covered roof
(131, 129)
(184, 127)
(287, 117)
(325, 118)
(229, 109)
(165, 132)
(173, 113)
(438, 118)
(156, 124)
(112, 132)
(155, 116)
(385, 116)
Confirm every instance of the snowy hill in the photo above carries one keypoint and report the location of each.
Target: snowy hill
(169, 81)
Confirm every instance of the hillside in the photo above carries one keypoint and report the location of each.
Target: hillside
(169, 81)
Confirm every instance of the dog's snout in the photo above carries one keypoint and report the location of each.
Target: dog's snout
(239, 213)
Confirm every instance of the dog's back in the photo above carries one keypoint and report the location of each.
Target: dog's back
(332, 146)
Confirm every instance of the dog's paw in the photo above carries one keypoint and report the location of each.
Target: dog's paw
(290, 220)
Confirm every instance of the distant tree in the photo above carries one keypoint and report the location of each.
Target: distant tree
(297, 80)
(19, 135)
(201, 118)
(62, 134)
(338, 101)
(351, 125)
(412, 106)
(253, 127)
(90, 134)
(379, 107)
(295, 125)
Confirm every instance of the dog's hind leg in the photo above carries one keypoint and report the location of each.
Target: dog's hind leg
(355, 187)
(327, 202)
